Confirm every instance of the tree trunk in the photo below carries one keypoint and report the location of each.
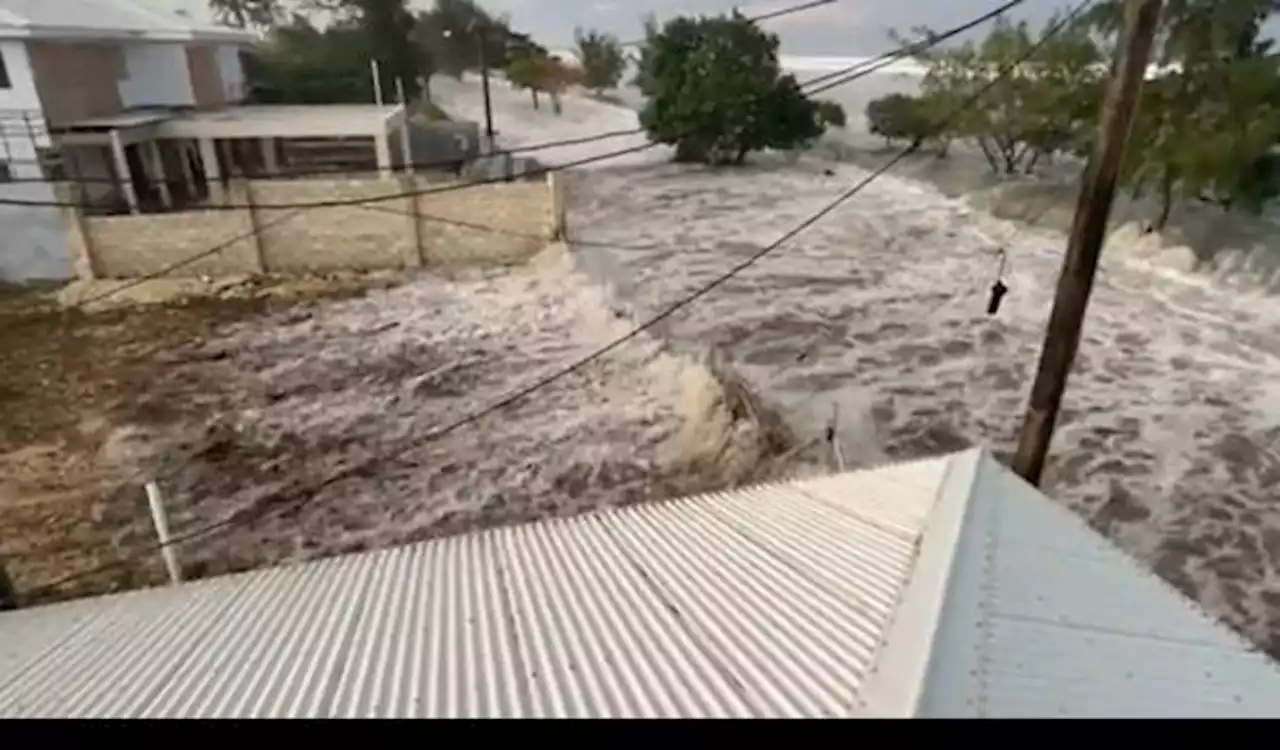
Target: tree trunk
(1166, 201)
(686, 153)
(1033, 161)
(1009, 151)
(991, 157)
(535, 98)
(555, 103)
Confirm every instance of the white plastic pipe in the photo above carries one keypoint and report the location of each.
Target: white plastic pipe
(161, 521)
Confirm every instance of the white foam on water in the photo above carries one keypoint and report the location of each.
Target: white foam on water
(1167, 441)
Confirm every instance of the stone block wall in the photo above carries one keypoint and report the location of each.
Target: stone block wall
(390, 228)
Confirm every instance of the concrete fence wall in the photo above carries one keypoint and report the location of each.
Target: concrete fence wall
(481, 224)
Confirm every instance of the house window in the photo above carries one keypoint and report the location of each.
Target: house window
(4, 73)
(5, 174)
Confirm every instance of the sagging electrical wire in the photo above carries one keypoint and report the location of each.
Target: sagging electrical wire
(854, 71)
(273, 501)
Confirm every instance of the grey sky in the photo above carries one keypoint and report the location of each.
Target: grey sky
(848, 27)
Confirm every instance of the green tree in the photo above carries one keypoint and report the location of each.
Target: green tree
(524, 72)
(537, 73)
(248, 14)
(453, 33)
(388, 27)
(831, 114)
(899, 117)
(1207, 126)
(299, 64)
(1038, 92)
(603, 62)
(715, 91)
(1233, 27)
(1206, 134)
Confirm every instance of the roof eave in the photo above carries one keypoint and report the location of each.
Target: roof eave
(79, 33)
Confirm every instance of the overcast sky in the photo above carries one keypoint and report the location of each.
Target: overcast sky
(848, 27)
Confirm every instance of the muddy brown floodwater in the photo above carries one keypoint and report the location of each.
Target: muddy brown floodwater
(308, 429)
(1171, 424)
(69, 381)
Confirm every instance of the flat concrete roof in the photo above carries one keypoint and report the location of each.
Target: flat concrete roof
(285, 121)
(123, 120)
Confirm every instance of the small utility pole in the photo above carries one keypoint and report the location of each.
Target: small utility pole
(484, 77)
(1088, 230)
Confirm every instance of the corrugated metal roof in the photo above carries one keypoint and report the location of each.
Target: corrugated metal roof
(1024, 611)
(765, 602)
(938, 588)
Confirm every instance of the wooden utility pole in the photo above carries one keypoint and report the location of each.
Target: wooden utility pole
(1088, 230)
(8, 596)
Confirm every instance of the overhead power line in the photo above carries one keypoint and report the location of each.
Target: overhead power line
(850, 73)
(761, 17)
(839, 78)
(823, 82)
(274, 500)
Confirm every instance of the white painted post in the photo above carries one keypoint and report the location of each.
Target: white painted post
(209, 161)
(377, 82)
(161, 521)
(122, 171)
(270, 164)
(835, 437)
(188, 176)
(406, 150)
(382, 149)
(157, 165)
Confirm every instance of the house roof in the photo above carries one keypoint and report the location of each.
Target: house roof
(937, 588)
(155, 20)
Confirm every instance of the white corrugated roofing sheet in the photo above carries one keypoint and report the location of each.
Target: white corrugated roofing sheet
(943, 587)
(765, 602)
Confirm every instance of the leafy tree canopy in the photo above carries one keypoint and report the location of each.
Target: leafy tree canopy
(715, 91)
(1207, 124)
(538, 72)
(299, 64)
(455, 33)
(249, 14)
(603, 61)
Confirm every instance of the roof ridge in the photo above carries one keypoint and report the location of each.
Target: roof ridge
(894, 688)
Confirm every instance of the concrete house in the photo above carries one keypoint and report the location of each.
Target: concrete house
(138, 105)
(67, 62)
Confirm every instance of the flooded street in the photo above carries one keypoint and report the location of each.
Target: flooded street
(1167, 438)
